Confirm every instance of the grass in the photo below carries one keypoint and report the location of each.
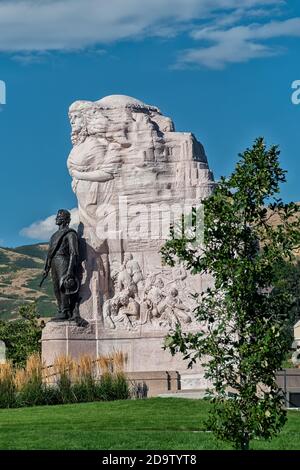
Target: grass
(152, 424)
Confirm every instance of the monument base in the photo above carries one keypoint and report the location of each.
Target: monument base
(142, 349)
(297, 334)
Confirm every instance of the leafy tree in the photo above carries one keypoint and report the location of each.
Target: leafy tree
(247, 320)
(22, 337)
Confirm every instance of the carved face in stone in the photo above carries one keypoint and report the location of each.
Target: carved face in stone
(124, 299)
(174, 292)
(78, 115)
(159, 283)
(96, 122)
(132, 291)
(77, 121)
(127, 257)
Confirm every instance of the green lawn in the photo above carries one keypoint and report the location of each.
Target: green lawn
(157, 423)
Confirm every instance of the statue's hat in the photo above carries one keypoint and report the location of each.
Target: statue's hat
(69, 285)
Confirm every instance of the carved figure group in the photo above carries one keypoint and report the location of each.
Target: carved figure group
(140, 300)
(121, 310)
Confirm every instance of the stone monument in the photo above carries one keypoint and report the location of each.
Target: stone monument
(134, 176)
(2, 352)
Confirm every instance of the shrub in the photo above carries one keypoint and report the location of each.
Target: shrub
(22, 337)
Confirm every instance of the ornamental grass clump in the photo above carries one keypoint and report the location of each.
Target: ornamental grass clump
(7, 386)
(67, 381)
(113, 384)
(65, 370)
(85, 379)
(29, 382)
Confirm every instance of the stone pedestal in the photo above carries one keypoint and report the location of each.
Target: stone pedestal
(297, 333)
(146, 361)
(143, 349)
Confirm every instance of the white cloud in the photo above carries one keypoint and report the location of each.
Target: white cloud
(43, 229)
(29, 58)
(31, 29)
(239, 43)
(31, 25)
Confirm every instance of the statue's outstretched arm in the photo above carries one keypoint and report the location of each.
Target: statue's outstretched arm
(96, 175)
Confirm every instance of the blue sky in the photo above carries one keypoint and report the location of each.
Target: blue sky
(222, 69)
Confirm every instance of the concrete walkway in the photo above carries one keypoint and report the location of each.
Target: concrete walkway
(184, 394)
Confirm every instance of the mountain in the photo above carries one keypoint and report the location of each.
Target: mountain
(20, 274)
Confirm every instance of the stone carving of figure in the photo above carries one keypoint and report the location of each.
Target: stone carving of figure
(156, 292)
(296, 356)
(130, 274)
(179, 276)
(154, 296)
(63, 262)
(173, 310)
(92, 163)
(123, 279)
(122, 310)
(178, 280)
(133, 268)
(159, 307)
(150, 281)
(110, 310)
(129, 312)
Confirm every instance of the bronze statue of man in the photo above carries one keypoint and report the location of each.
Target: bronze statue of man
(63, 261)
